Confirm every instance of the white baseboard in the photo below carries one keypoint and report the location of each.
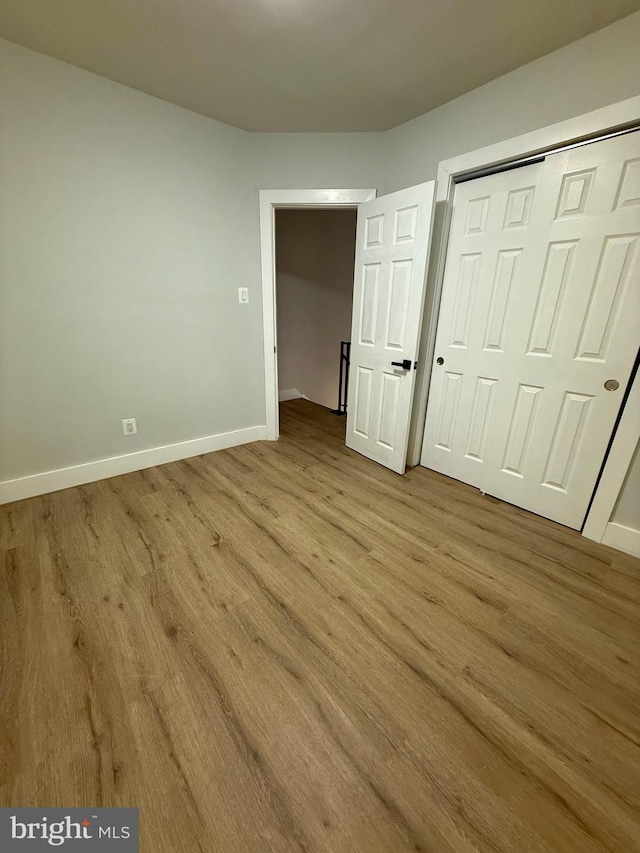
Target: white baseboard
(290, 394)
(623, 538)
(89, 472)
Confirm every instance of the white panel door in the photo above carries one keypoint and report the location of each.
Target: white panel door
(540, 308)
(392, 242)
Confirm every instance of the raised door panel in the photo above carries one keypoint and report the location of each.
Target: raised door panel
(451, 387)
(521, 424)
(618, 270)
(374, 231)
(368, 319)
(628, 193)
(504, 285)
(398, 304)
(362, 401)
(389, 398)
(518, 208)
(405, 224)
(567, 435)
(575, 193)
(466, 287)
(551, 292)
(480, 422)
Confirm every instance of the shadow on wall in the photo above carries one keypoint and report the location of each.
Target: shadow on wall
(315, 252)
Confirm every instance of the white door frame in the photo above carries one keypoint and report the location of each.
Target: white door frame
(270, 201)
(536, 143)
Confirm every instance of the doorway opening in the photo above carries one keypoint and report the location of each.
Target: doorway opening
(314, 266)
(391, 255)
(271, 201)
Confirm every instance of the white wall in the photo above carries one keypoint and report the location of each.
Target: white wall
(593, 72)
(315, 252)
(627, 509)
(319, 160)
(127, 225)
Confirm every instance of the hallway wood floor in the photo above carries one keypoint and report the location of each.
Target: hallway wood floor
(285, 647)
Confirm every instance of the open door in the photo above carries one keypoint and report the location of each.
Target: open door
(392, 244)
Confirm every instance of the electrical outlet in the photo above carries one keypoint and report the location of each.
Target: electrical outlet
(243, 295)
(129, 426)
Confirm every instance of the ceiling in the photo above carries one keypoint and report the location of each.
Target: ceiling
(304, 65)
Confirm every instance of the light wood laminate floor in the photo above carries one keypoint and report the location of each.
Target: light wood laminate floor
(285, 647)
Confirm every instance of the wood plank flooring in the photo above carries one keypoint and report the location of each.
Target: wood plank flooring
(285, 647)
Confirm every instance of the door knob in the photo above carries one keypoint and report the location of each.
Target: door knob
(440, 360)
(612, 384)
(405, 364)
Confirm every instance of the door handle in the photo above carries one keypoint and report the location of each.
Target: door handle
(405, 364)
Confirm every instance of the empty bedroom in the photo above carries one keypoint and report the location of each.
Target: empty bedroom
(319, 426)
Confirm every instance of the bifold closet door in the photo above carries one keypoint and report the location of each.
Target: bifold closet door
(539, 327)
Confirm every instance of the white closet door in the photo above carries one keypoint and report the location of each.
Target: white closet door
(490, 221)
(392, 242)
(540, 308)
